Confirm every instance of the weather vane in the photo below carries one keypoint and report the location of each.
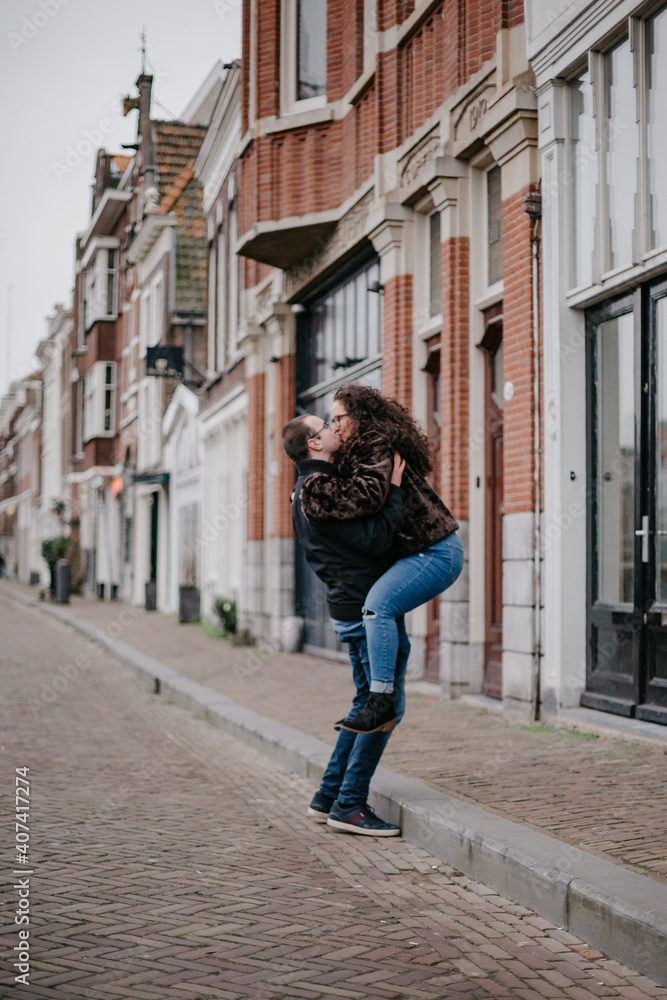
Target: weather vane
(143, 49)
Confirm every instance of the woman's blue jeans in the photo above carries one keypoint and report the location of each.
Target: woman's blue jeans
(407, 584)
(355, 757)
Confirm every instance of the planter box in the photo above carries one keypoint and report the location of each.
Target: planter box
(188, 604)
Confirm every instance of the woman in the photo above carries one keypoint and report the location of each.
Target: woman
(429, 554)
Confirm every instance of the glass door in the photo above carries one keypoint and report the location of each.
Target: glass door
(627, 506)
(613, 638)
(653, 679)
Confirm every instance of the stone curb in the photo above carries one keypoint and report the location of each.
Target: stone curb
(618, 911)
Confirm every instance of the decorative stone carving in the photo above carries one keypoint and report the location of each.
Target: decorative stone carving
(349, 231)
(264, 300)
(411, 164)
(467, 115)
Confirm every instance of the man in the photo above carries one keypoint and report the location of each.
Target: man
(348, 556)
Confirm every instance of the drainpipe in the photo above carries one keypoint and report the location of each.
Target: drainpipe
(533, 207)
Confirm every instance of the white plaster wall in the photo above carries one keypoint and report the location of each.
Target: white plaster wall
(225, 501)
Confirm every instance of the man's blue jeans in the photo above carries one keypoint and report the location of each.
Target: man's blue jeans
(407, 584)
(355, 757)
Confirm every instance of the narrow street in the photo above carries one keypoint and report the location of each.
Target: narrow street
(173, 862)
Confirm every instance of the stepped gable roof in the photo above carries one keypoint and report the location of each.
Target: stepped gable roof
(176, 146)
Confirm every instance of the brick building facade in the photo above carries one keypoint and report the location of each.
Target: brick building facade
(386, 155)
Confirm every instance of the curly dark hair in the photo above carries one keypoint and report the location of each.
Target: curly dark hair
(372, 411)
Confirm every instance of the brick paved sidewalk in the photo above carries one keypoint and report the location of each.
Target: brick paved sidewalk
(172, 862)
(603, 794)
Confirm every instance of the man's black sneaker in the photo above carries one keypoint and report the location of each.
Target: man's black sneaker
(377, 715)
(360, 819)
(320, 807)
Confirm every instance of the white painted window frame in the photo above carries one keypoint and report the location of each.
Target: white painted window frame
(642, 252)
(94, 283)
(289, 105)
(93, 397)
(221, 276)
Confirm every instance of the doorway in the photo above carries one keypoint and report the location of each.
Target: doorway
(627, 506)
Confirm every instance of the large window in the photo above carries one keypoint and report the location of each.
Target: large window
(151, 315)
(99, 287)
(311, 49)
(656, 132)
(583, 160)
(618, 144)
(341, 330)
(98, 412)
(621, 154)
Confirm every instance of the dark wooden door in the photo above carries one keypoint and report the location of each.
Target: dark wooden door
(493, 644)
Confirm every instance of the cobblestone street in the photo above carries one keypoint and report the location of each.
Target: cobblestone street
(173, 862)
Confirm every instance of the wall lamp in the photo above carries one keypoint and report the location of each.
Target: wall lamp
(375, 286)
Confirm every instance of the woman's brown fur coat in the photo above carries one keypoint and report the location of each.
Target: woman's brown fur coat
(366, 465)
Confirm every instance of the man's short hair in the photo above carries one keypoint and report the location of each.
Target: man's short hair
(295, 438)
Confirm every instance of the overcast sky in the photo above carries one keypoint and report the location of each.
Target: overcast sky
(64, 64)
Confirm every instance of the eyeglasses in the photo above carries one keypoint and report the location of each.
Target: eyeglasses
(335, 421)
(322, 428)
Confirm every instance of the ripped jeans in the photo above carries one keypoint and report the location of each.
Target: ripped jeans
(353, 762)
(407, 584)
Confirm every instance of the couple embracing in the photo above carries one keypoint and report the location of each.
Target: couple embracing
(383, 543)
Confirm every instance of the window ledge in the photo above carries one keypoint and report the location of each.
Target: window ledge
(296, 118)
(360, 84)
(430, 329)
(491, 297)
(617, 281)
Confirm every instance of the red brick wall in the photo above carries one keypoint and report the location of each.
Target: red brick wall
(317, 167)
(397, 339)
(454, 399)
(283, 482)
(267, 62)
(245, 67)
(256, 413)
(518, 356)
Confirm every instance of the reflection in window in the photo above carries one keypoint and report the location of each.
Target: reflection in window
(311, 49)
(615, 460)
(661, 458)
(494, 225)
(342, 329)
(656, 45)
(584, 165)
(622, 151)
